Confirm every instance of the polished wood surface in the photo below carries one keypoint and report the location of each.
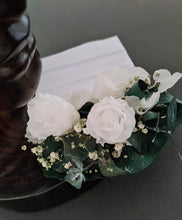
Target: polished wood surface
(20, 69)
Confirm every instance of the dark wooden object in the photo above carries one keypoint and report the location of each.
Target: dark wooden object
(20, 69)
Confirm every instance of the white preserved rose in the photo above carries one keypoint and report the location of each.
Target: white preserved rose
(49, 115)
(111, 121)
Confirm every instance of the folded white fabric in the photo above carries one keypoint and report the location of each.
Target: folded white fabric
(76, 68)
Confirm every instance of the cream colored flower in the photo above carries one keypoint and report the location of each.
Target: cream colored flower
(93, 155)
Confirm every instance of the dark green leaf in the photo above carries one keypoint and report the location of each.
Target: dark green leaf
(75, 178)
(136, 140)
(59, 166)
(78, 164)
(150, 116)
(50, 145)
(72, 146)
(139, 90)
(136, 162)
(165, 98)
(85, 109)
(160, 140)
(109, 169)
(171, 115)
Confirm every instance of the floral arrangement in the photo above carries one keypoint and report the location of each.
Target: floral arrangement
(117, 128)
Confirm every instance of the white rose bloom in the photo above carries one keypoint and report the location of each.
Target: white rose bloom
(49, 115)
(111, 121)
(115, 80)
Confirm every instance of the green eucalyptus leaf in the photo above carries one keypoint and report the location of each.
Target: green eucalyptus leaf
(139, 90)
(72, 149)
(109, 169)
(59, 166)
(79, 164)
(75, 178)
(160, 140)
(50, 145)
(90, 143)
(137, 162)
(172, 115)
(165, 98)
(76, 146)
(136, 140)
(150, 116)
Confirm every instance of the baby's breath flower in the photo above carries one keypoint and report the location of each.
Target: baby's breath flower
(93, 155)
(147, 80)
(57, 138)
(24, 147)
(33, 150)
(83, 122)
(52, 160)
(141, 125)
(77, 127)
(116, 153)
(39, 149)
(145, 131)
(156, 74)
(46, 165)
(81, 145)
(109, 169)
(40, 160)
(73, 145)
(135, 130)
(128, 143)
(118, 146)
(54, 155)
(67, 165)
